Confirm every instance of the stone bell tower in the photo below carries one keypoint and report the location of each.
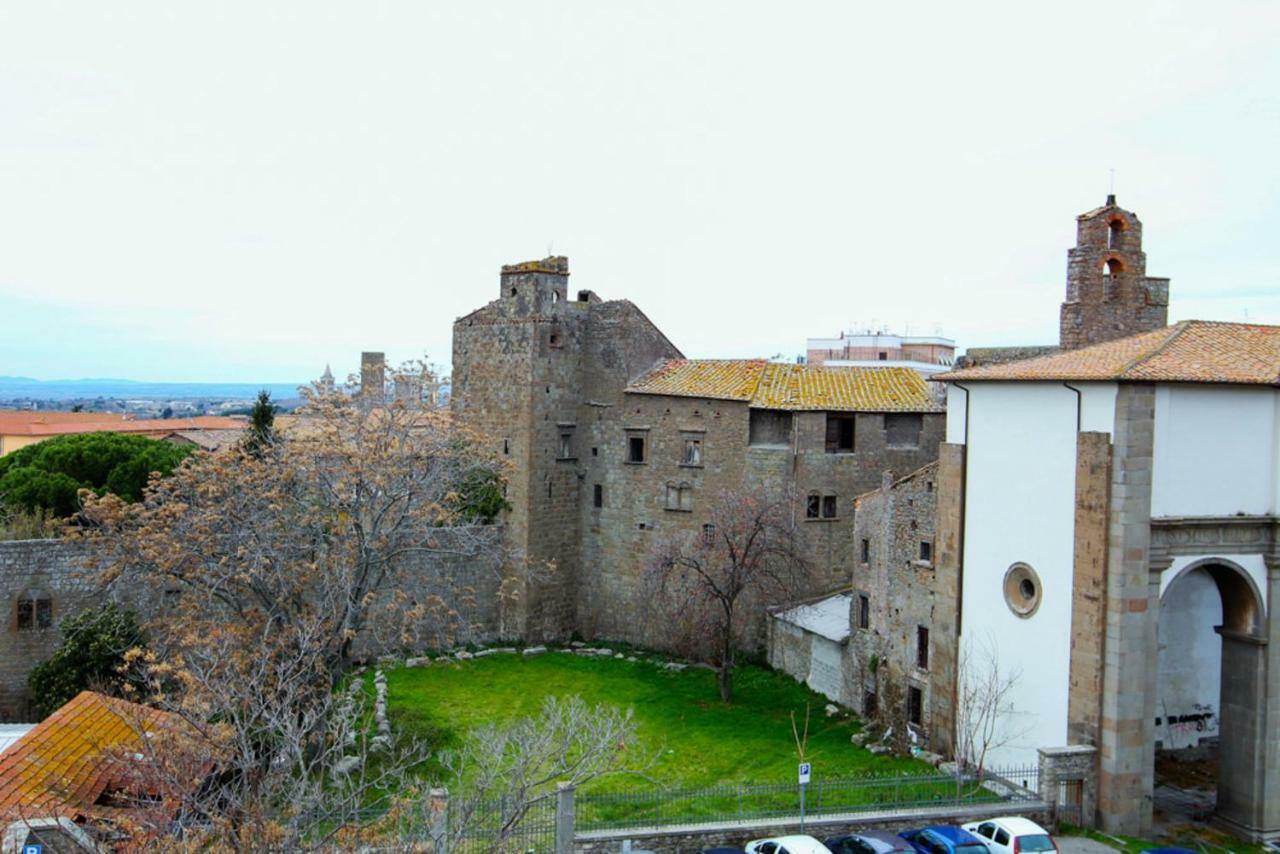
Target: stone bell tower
(1109, 294)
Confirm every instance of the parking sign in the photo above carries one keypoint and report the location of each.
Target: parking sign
(805, 768)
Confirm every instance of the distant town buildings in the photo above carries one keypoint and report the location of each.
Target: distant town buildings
(925, 354)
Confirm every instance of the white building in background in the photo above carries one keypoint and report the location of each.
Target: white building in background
(1120, 550)
(928, 355)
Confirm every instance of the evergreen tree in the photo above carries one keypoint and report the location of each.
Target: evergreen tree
(93, 646)
(261, 432)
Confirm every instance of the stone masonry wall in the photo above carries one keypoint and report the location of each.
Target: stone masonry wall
(47, 567)
(66, 572)
(898, 580)
(948, 569)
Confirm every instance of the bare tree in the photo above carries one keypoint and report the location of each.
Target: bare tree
(986, 719)
(709, 585)
(273, 566)
(503, 772)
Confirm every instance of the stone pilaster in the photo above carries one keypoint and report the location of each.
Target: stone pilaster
(1126, 757)
(1089, 587)
(949, 569)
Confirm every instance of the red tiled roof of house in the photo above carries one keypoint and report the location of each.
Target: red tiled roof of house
(65, 764)
(779, 385)
(1192, 351)
(63, 423)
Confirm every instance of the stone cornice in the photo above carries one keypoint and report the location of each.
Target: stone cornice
(1176, 536)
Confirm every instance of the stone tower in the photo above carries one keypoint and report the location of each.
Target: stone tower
(535, 371)
(1109, 294)
(373, 377)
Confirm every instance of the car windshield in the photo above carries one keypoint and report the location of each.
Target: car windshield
(1036, 842)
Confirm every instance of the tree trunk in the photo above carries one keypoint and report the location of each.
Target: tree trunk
(724, 678)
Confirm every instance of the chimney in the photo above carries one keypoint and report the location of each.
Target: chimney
(373, 377)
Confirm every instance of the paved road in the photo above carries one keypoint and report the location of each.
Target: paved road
(1082, 845)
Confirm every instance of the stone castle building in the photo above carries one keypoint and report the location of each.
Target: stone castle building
(615, 438)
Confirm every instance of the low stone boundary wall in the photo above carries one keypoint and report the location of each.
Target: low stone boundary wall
(696, 837)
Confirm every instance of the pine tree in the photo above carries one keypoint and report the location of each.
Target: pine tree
(261, 432)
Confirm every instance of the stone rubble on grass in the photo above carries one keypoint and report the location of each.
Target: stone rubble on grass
(577, 644)
(463, 655)
(859, 738)
(534, 650)
(879, 749)
(567, 651)
(934, 759)
(630, 657)
(424, 661)
(484, 653)
(832, 710)
(443, 659)
(619, 655)
(674, 666)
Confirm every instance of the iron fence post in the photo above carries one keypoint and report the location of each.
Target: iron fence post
(438, 809)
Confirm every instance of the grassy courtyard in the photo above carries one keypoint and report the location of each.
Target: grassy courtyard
(703, 742)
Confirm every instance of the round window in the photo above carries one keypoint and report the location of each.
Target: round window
(1022, 589)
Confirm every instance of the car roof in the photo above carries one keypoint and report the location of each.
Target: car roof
(886, 838)
(1017, 825)
(954, 834)
(798, 844)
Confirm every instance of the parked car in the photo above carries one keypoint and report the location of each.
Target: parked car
(869, 842)
(944, 839)
(723, 851)
(1012, 835)
(787, 845)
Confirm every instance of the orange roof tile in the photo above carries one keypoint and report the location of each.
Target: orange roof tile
(63, 765)
(60, 423)
(779, 385)
(1193, 351)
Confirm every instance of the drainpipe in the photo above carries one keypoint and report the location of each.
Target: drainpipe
(1079, 404)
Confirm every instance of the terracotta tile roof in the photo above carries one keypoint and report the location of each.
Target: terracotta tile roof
(63, 765)
(62, 423)
(779, 385)
(1193, 351)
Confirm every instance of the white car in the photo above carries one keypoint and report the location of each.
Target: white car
(787, 845)
(1012, 835)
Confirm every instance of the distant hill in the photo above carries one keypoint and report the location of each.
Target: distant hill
(15, 387)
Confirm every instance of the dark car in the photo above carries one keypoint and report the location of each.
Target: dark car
(944, 839)
(869, 842)
(722, 851)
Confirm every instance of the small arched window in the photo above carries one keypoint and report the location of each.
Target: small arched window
(35, 611)
(1113, 266)
(1115, 233)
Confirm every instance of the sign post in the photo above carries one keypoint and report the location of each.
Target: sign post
(806, 769)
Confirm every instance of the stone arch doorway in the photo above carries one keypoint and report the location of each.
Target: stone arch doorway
(1211, 676)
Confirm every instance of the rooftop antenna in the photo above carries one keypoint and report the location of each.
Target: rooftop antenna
(551, 248)
(1113, 181)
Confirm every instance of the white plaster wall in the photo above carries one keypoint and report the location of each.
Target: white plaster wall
(1020, 506)
(1215, 451)
(955, 414)
(1189, 667)
(1097, 407)
(826, 661)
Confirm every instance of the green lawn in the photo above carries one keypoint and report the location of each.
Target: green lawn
(703, 741)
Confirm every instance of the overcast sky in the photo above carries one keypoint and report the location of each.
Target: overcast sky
(246, 191)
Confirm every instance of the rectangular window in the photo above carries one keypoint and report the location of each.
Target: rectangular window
(814, 508)
(692, 451)
(34, 613)
(915, 706)
(839, 433)
(679, 496)
(635, 449)
(902, 429)
(869, 705)
(566, 446)
(864, 611)
(865, 551)
(597, 495)
(828, 507)
(922, 647)
(770, 428)
(926, 550)
(708, 534)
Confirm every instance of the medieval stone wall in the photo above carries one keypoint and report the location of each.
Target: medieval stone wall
(896, 524)
(472, 607)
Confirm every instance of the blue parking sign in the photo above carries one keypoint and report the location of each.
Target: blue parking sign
(33, 848)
